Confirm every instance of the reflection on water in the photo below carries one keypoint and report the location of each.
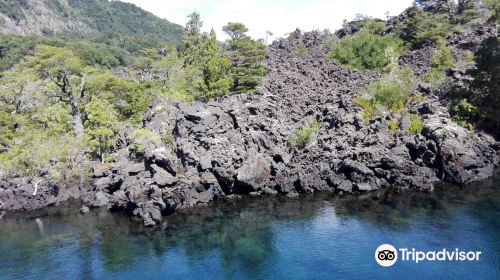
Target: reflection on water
(314, 237)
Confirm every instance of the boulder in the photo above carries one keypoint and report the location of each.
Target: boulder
(253, 175)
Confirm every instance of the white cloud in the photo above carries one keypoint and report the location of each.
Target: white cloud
(278, 16)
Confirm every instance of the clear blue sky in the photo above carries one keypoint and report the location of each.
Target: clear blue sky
(278, 16)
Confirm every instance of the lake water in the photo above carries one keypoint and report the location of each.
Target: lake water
(313, 237)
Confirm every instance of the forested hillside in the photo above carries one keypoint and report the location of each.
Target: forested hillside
(65, 102)
(106, 20)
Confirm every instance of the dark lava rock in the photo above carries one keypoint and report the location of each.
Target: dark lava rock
(240, 144)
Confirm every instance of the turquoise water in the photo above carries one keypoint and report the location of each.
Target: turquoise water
(313, 237)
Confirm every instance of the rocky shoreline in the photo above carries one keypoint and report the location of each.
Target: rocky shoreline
(239, 144)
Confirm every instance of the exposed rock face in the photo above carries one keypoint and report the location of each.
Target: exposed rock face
(239, 144)
(25, 194)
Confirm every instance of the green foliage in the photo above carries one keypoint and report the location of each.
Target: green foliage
(143, 138)
(130, 99)
(304, 136)
(393, 90)
(235, 30)
(215, 69)
(470, 58)
(13, 86)
(416, 124)
(442, 60)
(95, 54)
(368, 106)
(123, 18)
(37, 153)
(100, 126)
(494, 7)
(50, 61)
(13, 8)
(479, 104)
(364, 50)
(393, 126)
(300, 50)
(43, 142)
(192, 41)
(13, 48)
(464, 113)
(456, 11)
(247, 57)
(376, 27)
(423, 26)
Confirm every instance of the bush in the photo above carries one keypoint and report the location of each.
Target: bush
(101, 126)
(95, 54)
(304, 136)
(368, 107)
(442, 60)
(464, 113)
(364, 50)
(300, 50)
(416, 124)
(393, 126)
(494, 7)
(470, 58)
(39, 153)
(422, 26)
(142, 138)
(393, 90)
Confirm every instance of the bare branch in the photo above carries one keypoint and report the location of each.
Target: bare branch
(36, 186)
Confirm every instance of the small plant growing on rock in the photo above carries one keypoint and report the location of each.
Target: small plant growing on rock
(442, 60)
(416, 124)
(393, 126)
(300, 50)
(169, 140)
(368, 107)
(391, 92)
(463, 113)
(470, 58)
(304, 136)
(142, 138)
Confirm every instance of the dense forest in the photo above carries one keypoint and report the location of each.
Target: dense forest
(68, 96)
(110, 22)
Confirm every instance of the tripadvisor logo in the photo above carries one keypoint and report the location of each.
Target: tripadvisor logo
(387, 255)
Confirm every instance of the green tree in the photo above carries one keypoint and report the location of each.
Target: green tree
(247, 56)
(480, 102)
(453, 9)
(67, 73)
(101, 126)
(422, 26)
(215, 68)
(494, 7)
(12, 97)
(192, 40)
(235, 30)
(437, 6)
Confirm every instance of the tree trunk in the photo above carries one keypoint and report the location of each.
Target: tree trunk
(450, 9)
(75, 111)
(77, 123)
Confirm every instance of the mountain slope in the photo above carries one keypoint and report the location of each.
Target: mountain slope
(80, 18)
